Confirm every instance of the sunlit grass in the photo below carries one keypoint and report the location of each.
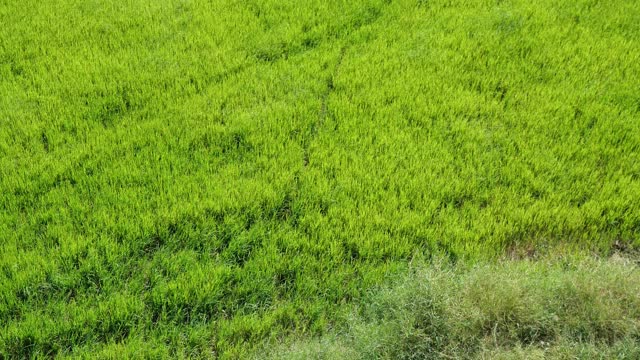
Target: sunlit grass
(552, 309)
(195, 178)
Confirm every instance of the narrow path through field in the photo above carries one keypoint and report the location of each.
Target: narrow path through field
(368, 19)
(322, 115)
(344, 41)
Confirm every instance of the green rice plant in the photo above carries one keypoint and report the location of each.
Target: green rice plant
(224, 174)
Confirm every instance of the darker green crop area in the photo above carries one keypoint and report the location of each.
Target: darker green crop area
(191, 178)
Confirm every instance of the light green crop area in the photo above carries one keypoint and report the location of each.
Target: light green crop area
(193, 178)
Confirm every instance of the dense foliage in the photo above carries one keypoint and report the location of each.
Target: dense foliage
(567, 308)
(191, 177)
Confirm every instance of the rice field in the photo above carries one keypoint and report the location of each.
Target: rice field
(205, 179)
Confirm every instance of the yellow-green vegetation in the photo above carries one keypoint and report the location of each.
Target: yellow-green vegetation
(198, 178)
